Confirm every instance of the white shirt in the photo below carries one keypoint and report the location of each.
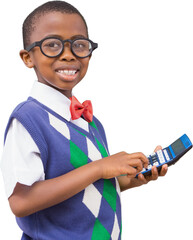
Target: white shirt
(21, 160)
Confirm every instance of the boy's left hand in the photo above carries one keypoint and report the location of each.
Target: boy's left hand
(126, 183)
(154, 173)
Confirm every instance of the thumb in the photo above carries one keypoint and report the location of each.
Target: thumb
(158, 148)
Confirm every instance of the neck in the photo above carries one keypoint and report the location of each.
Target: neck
(66, 92)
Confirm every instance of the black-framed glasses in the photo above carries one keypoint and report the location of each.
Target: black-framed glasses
(53, 46)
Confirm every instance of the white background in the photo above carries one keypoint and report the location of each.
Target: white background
(139, 81)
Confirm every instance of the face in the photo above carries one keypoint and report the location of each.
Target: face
(65, 71)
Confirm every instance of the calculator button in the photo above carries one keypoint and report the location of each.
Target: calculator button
(161, 156)
(154, 159)
(166, 155)
(156, 163)
(149, 167)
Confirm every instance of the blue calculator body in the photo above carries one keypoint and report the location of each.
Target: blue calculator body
(168, 155)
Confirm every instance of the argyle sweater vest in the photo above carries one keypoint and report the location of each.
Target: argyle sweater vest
(95, 212)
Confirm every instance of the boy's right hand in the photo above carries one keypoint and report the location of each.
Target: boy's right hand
(123, 164)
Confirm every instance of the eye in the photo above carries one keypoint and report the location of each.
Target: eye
(52, 44)
(81, 45)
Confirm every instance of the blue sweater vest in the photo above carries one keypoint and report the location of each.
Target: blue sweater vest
(95, 212)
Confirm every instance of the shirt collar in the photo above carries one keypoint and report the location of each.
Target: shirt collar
(52, 99)
(56, 101)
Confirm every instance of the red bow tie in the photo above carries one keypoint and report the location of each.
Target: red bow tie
(77, 109)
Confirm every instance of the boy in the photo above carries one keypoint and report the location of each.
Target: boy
(60, 180)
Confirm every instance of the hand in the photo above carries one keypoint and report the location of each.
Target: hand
(126, 182)
(123, 164)
(154, 173)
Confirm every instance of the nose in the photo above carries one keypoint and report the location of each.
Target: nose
(67, 54)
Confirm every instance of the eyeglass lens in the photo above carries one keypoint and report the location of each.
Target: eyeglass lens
(53, 47)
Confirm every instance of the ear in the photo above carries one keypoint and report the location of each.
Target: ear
(26, 58)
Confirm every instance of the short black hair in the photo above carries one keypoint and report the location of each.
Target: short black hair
(29, 23)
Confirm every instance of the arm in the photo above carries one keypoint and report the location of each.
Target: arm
(26, 200)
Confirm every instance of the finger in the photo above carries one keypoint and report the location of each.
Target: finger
(131, 172)
(158, 148)
(164, 170)
(142, 157)
(154, 173)
(142, 178)
(136, 163)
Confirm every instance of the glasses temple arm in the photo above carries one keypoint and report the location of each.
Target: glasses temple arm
(28, 48)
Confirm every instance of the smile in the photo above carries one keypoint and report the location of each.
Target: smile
(67, 72)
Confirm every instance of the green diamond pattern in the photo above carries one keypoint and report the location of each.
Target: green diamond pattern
(100, 232)
(93, 125)
(110, 194)
(101, 148)
(81, 133)
(77, 157)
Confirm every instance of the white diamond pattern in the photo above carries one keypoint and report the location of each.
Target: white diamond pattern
(116, 230)
(59, 125)
(93, 152)
(118, 187)
(92, 199)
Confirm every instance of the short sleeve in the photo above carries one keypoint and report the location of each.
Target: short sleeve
(21, 160)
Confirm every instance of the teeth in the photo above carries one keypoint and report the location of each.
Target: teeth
(67, 72)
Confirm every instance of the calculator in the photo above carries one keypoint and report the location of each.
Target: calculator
(169, 155)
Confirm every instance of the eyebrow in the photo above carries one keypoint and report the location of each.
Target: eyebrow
(72, 38)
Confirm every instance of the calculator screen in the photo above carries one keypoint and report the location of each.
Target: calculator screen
(178, 147)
